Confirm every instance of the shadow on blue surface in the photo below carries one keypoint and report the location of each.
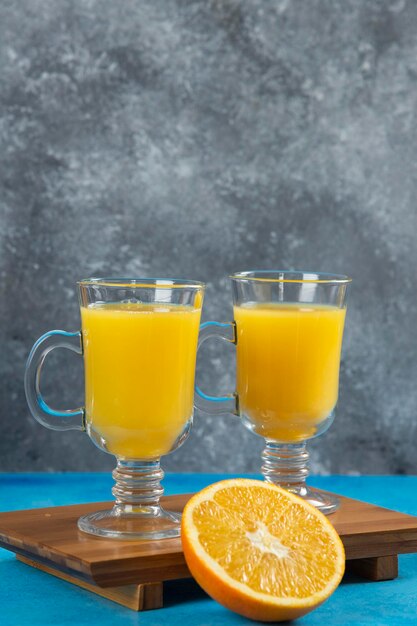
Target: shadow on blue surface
(179, 591)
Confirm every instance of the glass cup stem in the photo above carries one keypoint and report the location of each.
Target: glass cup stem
(286, 465)
(138, 486)
(137, 513)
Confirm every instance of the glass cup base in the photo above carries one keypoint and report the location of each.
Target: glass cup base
(129, 523)
(324, 501)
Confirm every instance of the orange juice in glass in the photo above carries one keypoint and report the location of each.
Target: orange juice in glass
(288, 329)
(139, 342)
(139, 364)
(288, 357)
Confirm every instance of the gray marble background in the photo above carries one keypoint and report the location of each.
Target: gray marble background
(192, 139)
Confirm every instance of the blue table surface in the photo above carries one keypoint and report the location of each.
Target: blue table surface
(28, 596)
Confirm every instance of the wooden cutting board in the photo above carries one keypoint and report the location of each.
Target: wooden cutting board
(132, 572)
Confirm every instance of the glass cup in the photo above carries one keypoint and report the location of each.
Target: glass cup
(288, 329)
(139, 342)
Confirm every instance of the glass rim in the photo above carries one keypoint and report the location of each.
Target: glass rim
(144, 283)
(291, 276)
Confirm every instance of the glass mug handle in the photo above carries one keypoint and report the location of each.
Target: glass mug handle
(216, 405)
(44, 414)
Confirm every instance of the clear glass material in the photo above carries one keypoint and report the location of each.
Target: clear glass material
(139, 341)
(288, 330)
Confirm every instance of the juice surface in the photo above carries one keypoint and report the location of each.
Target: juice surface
(288, 358)
(139, 374)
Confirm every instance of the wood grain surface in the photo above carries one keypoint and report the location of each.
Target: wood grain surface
(50, 537)
(135, 597)
(376, 568)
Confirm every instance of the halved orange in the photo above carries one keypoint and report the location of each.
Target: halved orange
(260, 550)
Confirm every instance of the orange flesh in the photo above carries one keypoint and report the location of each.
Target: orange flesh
(289, 555)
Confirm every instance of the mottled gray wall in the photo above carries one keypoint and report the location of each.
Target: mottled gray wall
(194, 138)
